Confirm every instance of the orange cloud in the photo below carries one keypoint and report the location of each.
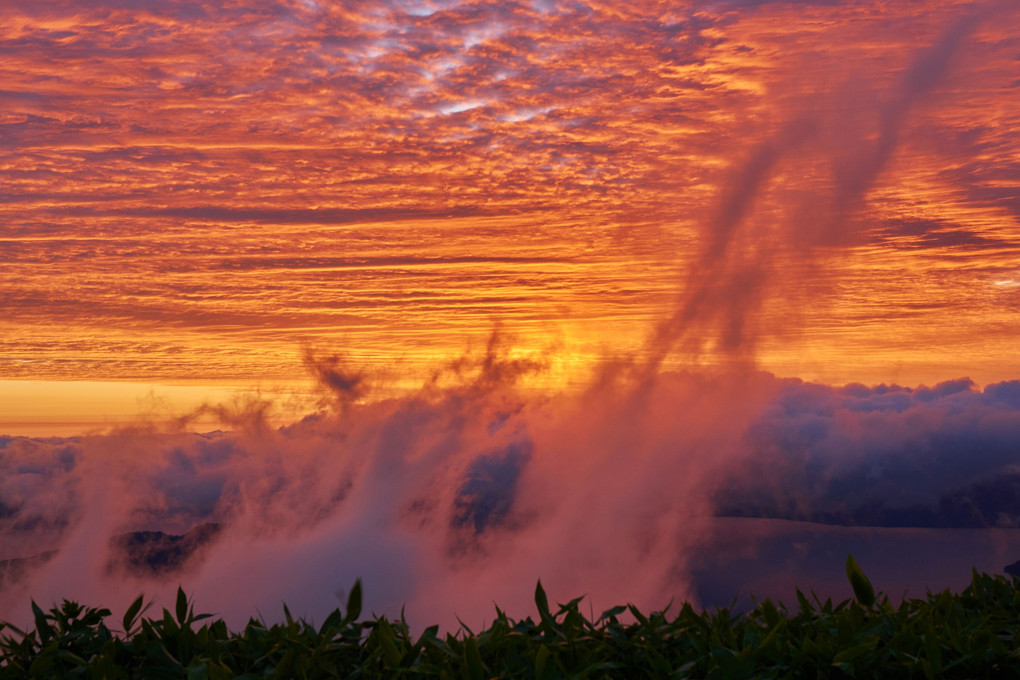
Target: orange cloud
(196, 191)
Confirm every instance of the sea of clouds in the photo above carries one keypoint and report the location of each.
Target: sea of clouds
(468, 491)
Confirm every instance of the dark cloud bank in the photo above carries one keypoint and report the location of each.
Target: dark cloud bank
(890, 456)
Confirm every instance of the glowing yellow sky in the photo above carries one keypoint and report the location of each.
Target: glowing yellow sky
(195, 195)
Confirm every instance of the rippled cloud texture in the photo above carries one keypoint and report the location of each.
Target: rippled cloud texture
(195, 190)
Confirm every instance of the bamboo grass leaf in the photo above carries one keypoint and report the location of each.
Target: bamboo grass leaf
(974, 634)
(354, 602)
(541, 659)
(182, 607)
(385, 635)
(473, 658)
(863, 590)
(132, 612)
(42, 626)
(542, 602)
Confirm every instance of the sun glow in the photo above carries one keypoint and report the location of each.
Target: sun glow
(195, 198)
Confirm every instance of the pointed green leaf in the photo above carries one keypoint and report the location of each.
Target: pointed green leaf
(805, 604)
(541, 658)
(391, 655)
(851, 653)
(612, 613)
(197, 671)
(474, 659)
(44, 661)
(131, 613)
(182, 606)
(354, 602)
(334, 620)
(42, 626)
(636, 613)
(863, 591)
(541, 601)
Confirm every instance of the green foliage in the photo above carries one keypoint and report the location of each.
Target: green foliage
(973, 634)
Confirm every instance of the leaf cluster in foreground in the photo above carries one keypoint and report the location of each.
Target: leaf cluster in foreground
(975, 633)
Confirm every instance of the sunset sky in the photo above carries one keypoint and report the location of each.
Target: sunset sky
(196, 197)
